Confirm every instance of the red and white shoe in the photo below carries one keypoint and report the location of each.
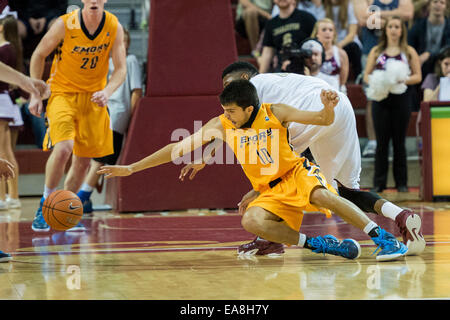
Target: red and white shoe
(261, 247)
(410, 225)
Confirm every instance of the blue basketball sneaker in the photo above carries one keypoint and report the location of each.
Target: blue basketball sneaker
(348, 248)
(391, 248)
(39, 223)
(85, 197)
(5, 257)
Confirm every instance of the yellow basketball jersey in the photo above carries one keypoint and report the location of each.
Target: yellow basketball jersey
(81, 61)
(263, 149)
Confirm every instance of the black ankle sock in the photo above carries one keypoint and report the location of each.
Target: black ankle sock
(307, 245)
(374, 233)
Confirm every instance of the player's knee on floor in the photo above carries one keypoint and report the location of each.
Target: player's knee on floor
(365, 200)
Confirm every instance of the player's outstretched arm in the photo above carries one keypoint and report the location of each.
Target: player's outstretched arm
(196, 167)
(324, 117)
(171, 152)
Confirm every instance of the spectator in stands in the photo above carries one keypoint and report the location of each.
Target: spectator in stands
(431, 84)
(121, 106)
(343, 15)
(251, 17)
(391, 115)
(428, 35)
(10, 49)
(35, 18)
(336, 64)
(315, 7)
(291, 26)
(371, 15)
(420, 9)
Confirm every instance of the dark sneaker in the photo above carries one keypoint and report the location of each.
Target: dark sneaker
(410, 225)
(261, 247)
(87, 206)
(348, 248)
(5, 257)
(39, 223)
(391, 248)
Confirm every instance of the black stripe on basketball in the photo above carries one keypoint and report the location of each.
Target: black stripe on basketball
(56, 219)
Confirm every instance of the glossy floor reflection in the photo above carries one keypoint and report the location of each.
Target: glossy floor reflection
(192, 255)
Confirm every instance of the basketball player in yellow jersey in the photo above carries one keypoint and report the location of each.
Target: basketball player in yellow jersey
(78, 120)
(288, 184)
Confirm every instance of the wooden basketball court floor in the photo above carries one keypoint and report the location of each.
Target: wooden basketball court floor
(192, 256)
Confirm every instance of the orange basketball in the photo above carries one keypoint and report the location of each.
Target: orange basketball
(62, 210)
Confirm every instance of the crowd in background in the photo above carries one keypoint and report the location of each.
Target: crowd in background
(349, 41)
(398, 50)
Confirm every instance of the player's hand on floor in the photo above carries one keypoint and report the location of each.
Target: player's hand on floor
(192, 166)
(115, 171)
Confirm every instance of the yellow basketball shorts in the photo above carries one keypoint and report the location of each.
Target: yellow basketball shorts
(72, 116)
(290, 197)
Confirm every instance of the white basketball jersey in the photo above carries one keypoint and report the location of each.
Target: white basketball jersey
(336, 147)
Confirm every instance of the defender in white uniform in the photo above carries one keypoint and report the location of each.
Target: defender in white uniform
(335, 149)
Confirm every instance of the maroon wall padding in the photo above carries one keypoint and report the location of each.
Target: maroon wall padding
(190, 42)
(158, 189)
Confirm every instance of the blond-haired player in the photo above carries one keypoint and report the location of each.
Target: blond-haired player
(78, 120)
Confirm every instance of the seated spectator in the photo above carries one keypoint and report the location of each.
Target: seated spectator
(420, 9)
(307, 60)
(336, 63)
(346, 24)
(369, 11)
(291, 26)
(431, 84)
(315, 7)
(35, 18)
(428, 35)
(251, 17)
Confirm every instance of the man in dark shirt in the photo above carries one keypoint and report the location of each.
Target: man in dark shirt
(290, 27)
(429, 35)
(35, 18)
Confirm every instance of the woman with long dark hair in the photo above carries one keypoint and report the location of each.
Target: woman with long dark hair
(391, 115)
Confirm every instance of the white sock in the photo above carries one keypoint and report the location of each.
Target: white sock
(372, 143)
(370, 226)
(48, 191)
(390, 210)
(301, 239)
(86, 187)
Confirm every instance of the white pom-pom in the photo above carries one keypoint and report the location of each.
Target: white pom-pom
(378, 88)
(397, 72)
(390, 80)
